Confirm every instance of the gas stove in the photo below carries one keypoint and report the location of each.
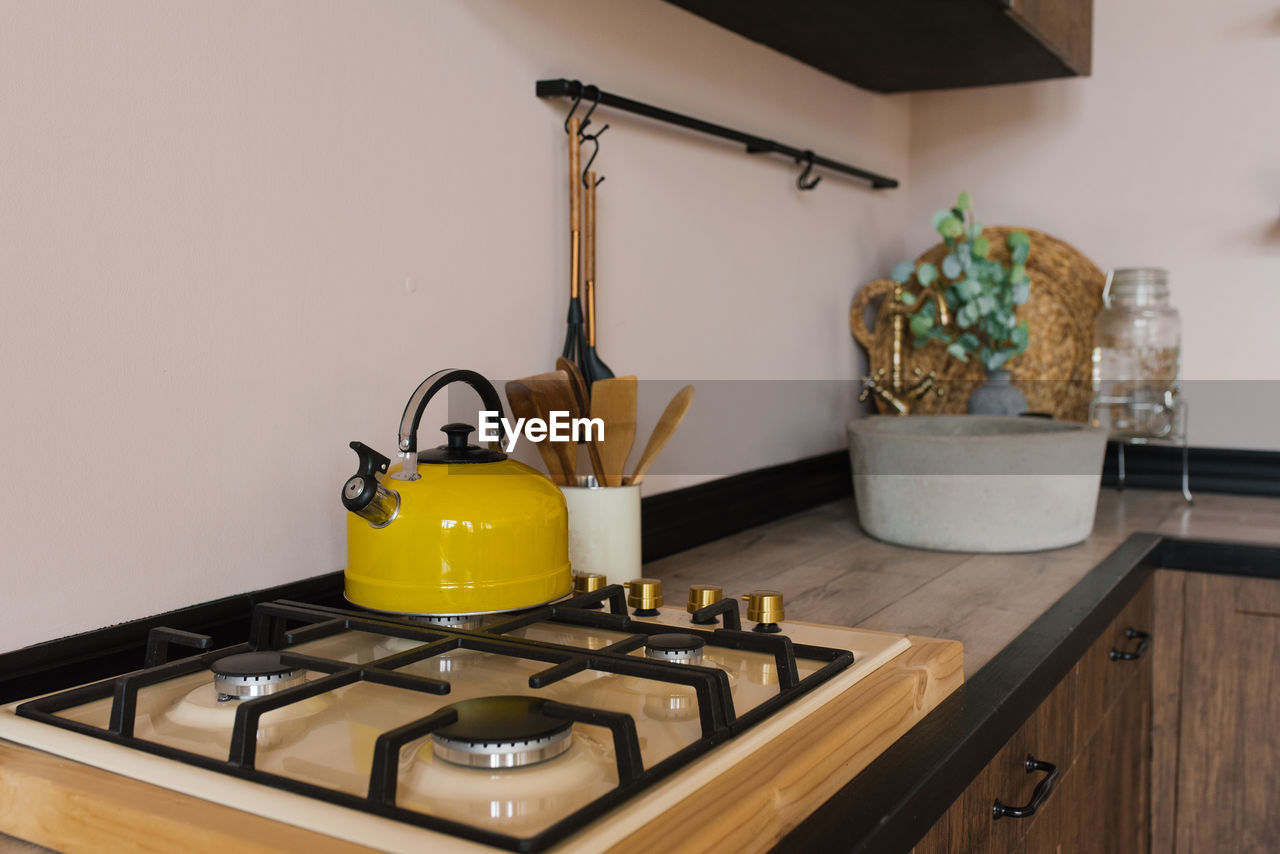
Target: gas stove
(558, 726)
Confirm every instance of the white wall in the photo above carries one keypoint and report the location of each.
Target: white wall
(1169, 155)
(234, 236)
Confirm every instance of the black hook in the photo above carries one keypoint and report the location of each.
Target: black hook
(803, 181)
(593, 139)
(573, 109)
(594, 93)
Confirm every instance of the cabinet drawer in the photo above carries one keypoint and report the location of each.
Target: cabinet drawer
(1114, 660)
(1101, 689)
(1103, 802)
(1048, 735)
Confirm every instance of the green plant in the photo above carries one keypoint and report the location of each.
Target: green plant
(981, 292)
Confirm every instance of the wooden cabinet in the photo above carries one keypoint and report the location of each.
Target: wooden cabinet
(1217, 755)
(1108, 669)
(1103, 801)
(1170, 742)
(1095, 729)
(1048, 737)
(913, 45)
(1064, 27)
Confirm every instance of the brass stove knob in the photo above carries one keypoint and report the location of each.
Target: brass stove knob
(644, 594)
(587, 582)
(764, 606)
(702, 595)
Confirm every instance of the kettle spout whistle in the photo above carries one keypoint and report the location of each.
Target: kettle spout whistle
(364, 496)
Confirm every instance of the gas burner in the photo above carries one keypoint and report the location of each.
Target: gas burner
(501, 732)
(511, 769)
(468, 622)
(253, 674)
(675, 647)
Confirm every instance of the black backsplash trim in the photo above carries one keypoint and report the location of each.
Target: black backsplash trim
(74, 660)
(1209, 556)
(1227, 470)
(684, 518)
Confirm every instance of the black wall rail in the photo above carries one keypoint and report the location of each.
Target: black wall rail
(562, 88)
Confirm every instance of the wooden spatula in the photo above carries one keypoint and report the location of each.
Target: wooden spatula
(576, 382)
(614, 402)
(552, 393)
(566, 452)
(537, 400)
(662, 432)
(524, 404)
(582, 407)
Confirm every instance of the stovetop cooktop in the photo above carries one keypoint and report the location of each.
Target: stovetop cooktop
(514, 733)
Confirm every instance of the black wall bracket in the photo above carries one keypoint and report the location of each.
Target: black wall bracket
(562, 88)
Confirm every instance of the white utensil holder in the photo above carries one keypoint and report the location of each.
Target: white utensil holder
(604, 529)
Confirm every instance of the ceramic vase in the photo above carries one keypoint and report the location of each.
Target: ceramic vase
(998, 396)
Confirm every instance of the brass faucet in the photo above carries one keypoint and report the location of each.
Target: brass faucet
(875, 385)
(898, 392)
(925, 383)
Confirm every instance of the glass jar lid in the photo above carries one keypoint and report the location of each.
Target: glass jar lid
(1141, 285)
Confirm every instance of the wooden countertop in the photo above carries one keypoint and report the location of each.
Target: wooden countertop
(831, 572)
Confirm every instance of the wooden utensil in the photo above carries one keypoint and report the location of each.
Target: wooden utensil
(662, 432)
(576, 382)
(551, 395)
(574, 341)
(537, 397)
(523, 404)
(583, 401)
(614, 402)
(593, 368)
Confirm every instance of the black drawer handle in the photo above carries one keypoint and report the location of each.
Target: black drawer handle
(1043, 790)
(1144, 641)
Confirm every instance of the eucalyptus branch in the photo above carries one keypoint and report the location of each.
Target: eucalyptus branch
(982, 293)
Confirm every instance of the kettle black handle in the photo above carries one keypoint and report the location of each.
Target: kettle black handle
(363, 495)
(422, 396)
(371, 461)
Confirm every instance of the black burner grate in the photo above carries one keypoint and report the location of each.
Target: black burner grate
(283, 624)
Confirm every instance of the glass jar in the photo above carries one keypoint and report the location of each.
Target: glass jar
(1137, 363)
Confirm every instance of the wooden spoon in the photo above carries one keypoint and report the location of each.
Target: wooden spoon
(524, 404)
(542, 397)
(577, 382)
(662, 432)
(614, 402)
(553, 393)
(579, 387)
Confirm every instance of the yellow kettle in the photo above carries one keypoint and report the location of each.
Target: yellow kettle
(456, 530)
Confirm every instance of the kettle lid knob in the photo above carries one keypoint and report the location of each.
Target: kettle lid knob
(459, 435)
(458, 448)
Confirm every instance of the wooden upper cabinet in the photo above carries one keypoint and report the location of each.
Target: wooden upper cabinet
(1064, 27)
(915, 45)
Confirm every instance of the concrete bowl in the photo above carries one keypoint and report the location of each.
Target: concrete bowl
(976, 483)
